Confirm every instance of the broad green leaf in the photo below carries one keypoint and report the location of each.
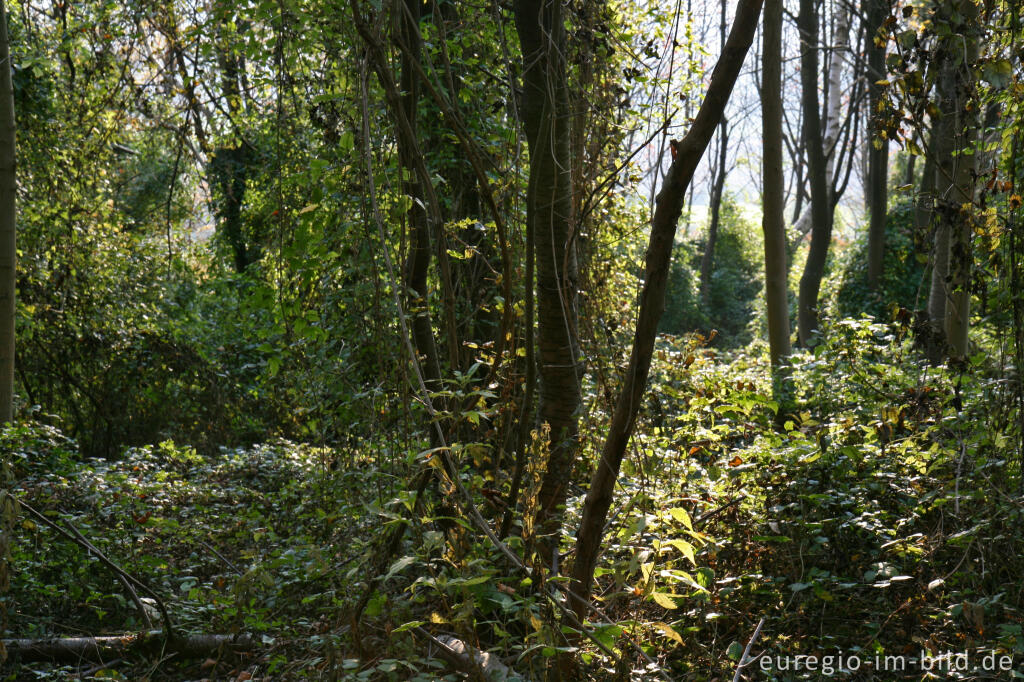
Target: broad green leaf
(399, 566)
(685, 548)
(682, 516)
(664, 600)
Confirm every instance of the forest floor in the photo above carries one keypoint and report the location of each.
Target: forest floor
(876, 532)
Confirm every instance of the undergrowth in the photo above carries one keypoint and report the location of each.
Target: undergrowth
(876, 523)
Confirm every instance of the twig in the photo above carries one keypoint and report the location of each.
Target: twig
(126, 578)
(220, 556)
(746, 652)
(717, 510)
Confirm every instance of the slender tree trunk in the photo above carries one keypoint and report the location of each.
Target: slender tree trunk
(878, 148)
(831, 124)
(933, 336)
(417, 265)
(949, 299)
(229, 164)
(707, 260)
(401, 99)
(908, 175)
(669, 205)
(8, 258)
(961, 193)
(926, 189)
(821, 206)
(773, 222)
(937, 294)
(546, 117)
(833, 109)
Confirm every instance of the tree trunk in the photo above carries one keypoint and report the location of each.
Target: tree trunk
(707, 260)
(652, 298)
(964, 44)
(773, 223)
(908, 174)
(942, 151)
(926, 189)
(229, 164)
(878, 148)
(417, 265)
(821, 206)
(546, 117)
(831, 124)
(949, 298)
(8, 257)
(833, 110)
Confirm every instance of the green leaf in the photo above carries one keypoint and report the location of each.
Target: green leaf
(664, 600)
(409, 626)
(607, 634)
(681, 515)
(685, 548)
(997, 73)
(399, 566)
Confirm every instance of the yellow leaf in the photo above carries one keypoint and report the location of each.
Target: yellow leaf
(685, 548)
(680, 515)
(664, 600)
(307, 209)
(669, 632)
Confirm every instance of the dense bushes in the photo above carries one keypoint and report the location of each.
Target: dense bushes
(904, 269)
(735, 283)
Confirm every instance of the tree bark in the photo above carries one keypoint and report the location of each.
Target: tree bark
(669, 205)
(833, 123)
(961, 192)
(926, 189)
(417, 265)
(773, 222)
(707, 260)
(821, 206)
(878, 147)
(942, 151)
(229, 164)
(73, 649)
(955, 132)
(8, 253)
(546, 117)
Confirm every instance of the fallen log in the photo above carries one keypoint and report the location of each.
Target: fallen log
(479, 665)
(116, 646)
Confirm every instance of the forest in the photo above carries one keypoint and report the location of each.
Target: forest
(510, 340)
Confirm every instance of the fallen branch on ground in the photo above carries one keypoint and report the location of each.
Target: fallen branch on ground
(103, 648)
